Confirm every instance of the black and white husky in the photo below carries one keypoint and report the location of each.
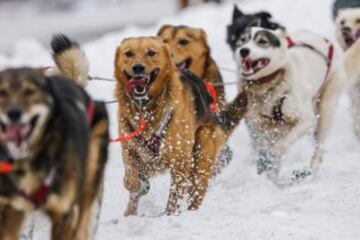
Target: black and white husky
(347, 21)
(292, 84)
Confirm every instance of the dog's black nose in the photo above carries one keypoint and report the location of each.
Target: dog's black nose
(244, 52)
(138, 68)
(14, 114)
(346, 31)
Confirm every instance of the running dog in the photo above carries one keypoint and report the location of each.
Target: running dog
(347, 19)
(191, 51)
(53, 146)
(166, 123)
(292, 84)
(241, 21)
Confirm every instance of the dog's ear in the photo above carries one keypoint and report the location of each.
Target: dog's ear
(237, 13)
(116, 60)
(255, 23)
(201, 34)
(162, 29)
(265, 16)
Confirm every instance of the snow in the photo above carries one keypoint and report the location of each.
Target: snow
(239, 204)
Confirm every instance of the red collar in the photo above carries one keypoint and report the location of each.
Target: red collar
(90, 111)
(265, 79)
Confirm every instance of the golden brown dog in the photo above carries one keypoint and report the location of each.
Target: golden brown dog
(190, 50)
(166, 123)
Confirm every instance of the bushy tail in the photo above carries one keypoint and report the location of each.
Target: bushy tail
(70, 59)
(229, 118)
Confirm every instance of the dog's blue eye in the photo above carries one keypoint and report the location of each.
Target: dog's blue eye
(129, 54)
(183, 42)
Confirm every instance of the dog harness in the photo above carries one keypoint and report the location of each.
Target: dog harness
(153, 144)
(277, 114)
(328, 58)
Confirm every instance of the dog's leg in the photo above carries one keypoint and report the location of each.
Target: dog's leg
(10, 223)
(64, 224)
(204, 156)
(300, 128)
(132, 181)
(133, 184)
(180, 174)
(326, 107)
(94, 175)
(354, 94)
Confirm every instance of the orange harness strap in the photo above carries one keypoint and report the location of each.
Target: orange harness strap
(128, 136)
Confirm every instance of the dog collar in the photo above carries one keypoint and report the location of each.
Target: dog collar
(265, 79)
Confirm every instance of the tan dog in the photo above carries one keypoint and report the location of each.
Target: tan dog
(191, 51)
(348, 34)
(171, 114)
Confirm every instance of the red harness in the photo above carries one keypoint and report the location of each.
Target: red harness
(328, 58)
(277, 115)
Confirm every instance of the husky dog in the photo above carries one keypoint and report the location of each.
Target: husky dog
(347, 20)
(241, 20)
(292, 84)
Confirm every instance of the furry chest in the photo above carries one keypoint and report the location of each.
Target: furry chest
(267, 118)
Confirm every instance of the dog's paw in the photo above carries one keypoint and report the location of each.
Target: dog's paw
(145, 185)
(299, 175)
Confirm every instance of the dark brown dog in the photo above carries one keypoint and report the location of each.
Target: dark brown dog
(170, 112)
(191, 51)
(54, 139)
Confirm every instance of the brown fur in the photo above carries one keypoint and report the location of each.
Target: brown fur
(190, 144)
(198, 50)
(77, 147)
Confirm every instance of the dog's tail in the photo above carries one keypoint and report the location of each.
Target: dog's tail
(230, 117)
(70, 59)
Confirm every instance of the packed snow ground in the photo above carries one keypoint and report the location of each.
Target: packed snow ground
(239, 204)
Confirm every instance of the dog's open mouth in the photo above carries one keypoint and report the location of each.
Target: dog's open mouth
(184, 64)
(138, 84)
(250, 67)
(15, 135)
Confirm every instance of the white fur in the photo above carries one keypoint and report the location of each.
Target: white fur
(73, 64)
(303, 81)
(352, 63)
(346, 18)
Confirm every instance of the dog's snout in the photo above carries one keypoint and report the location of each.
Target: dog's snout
(244, 52)
(346, 30)
(138, 68)
(14, 114)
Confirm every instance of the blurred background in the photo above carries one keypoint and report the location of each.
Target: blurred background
(83, 19)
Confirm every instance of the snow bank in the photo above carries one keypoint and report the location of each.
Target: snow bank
(240, 204)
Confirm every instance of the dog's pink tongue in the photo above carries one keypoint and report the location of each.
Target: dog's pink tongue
(13, 132)
(138, 83)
